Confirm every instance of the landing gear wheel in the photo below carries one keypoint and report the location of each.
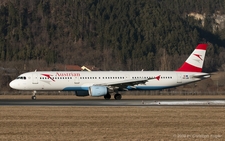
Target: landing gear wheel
(117, 96)
(34, 95)
(107, 97)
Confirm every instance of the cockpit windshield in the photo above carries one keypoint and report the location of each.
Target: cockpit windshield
(21, 77)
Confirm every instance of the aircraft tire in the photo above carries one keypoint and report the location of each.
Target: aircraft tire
(117, 96)
(33, 97)
(107, 97)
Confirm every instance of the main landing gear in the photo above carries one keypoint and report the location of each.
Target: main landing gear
(107, 96)
(34, 95)
(116, 96)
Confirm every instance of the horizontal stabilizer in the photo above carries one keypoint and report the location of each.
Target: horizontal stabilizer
(202, 75)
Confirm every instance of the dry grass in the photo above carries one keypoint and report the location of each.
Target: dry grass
(112, 123)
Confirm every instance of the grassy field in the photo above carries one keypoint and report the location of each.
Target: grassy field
(112, 123)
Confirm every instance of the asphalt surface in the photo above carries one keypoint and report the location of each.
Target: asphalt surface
(123, 102)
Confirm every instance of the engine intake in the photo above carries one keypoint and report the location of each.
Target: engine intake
(97, 91)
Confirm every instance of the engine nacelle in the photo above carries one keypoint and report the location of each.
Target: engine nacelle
(97, 90)
(81, 93)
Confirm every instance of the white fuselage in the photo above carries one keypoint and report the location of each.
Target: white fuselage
(82, 80)
(102, 83)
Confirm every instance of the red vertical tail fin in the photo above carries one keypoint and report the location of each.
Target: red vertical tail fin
(195, 61)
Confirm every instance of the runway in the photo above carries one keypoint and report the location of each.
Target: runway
(125, 102)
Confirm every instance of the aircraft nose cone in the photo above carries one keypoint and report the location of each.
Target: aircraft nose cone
(12, 84)
(18, 85)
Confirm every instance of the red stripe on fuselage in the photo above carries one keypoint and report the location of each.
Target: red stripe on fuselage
(189, 68)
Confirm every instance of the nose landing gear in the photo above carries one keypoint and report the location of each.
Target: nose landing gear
(34, 95)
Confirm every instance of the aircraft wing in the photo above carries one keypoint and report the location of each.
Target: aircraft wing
(122, 85)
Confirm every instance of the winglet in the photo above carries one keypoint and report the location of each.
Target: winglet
(195, 61)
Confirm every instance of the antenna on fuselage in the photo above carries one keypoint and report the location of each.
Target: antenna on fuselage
(35, 70)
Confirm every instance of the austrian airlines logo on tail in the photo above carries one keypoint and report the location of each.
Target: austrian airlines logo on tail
(193, 64)
(199, 56)
(48, 76)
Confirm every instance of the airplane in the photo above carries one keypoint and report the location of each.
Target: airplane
(105, 83)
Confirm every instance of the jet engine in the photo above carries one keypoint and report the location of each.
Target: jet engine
(97, 91)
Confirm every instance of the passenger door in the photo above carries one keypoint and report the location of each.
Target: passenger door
(179, 78)
(35, 78)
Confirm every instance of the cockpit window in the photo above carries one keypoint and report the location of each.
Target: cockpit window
(21, 77)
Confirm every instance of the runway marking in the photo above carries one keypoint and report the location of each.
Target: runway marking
(69, 102)
(188, 102)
